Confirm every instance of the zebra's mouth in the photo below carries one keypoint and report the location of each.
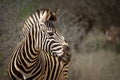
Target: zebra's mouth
(66, 56)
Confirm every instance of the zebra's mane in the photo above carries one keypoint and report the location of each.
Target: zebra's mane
(34, 19)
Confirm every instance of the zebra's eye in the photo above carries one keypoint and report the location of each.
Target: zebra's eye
(51, 33)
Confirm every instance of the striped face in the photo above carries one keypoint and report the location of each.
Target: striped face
(54, 43)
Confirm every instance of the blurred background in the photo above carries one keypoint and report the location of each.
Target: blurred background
(91, 27)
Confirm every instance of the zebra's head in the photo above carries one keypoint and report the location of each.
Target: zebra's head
(54, 43)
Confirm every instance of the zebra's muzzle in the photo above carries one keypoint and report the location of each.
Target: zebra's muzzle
(66, 57)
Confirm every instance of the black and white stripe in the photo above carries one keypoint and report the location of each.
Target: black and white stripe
(43, 54)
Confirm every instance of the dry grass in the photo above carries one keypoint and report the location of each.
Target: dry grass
(101, 65)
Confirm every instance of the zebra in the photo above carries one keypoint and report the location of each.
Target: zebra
(43, 53)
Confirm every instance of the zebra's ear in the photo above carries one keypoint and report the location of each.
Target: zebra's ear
(45, 16)
(54, 15)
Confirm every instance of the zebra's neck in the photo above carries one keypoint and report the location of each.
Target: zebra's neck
(32, 45)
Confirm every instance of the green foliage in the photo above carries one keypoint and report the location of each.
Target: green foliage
(28, 9)
(1, 56)
(2, 69)
(3, 72)
(3, 1)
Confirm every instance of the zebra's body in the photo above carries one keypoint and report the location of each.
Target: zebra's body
(40, 55)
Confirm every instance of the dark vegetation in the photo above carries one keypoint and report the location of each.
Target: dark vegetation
(81, 22)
